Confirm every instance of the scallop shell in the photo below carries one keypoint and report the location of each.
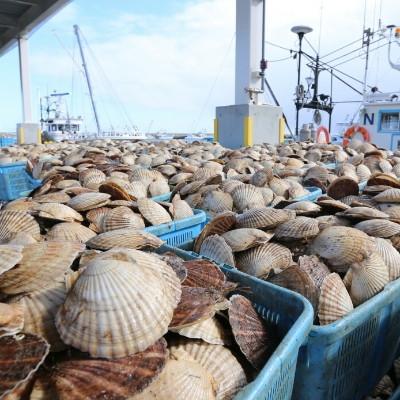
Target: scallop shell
(24, 205)
(247, 197)
(116, 191)
(368, 278)
(264, 218)
(56, 197)
(384, 388)
(180, 209)
(22, 239)
(218, 360)
(91, 178)
(261, 177)
(95, 217)
(299, 228)
(10, 256)
(117, 308)
(330, 205)
(392, 210)
(255, 339)
(176, 263)
(88, 201)
(363, 172)
(341, 187)
(121, 218)
(11, 319)
(130, 238)
(230, 184)
(216, 248)
(260, 261)
(388, 196)
(158, 187)
(304, 207)
(334, 301)
(298, 280)
(364, 213)
(136, 189)
(217, 226)
(70, 232)
(279, 186)
(23, 356)
(342, 246)
(42, 265)
(58, 212)
(118, 378)
(315, 268)
(153, 212)
(245, 238)
(379, 228)
(39, 310)
(180, 380)
(325, 221)
(196, 304)
(217, 202)
(390, 256)
(12, 222)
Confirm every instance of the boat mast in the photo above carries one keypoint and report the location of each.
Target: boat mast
(96, 117)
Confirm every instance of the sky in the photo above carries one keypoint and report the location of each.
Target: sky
(164, 65)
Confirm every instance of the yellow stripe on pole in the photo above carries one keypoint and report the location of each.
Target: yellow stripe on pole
(216, 131)
(281, 130)
(248, 131)
(39, 136)
(21, 135)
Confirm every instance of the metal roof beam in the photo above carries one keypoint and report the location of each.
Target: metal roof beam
(8, 22)
(25, 2)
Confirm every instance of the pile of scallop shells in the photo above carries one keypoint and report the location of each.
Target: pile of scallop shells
(338, 252)
(388, 384)
(124, 323)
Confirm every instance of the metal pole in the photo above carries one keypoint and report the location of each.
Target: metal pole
(298, 83)
(96, 117)
(366, 40)
(263, 63)
(24, 78)
(330, 114)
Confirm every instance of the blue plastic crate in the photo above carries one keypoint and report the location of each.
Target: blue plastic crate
(396, 394)
(291, 313)
(7, 141)
(162, 197)
(15, 182)
(181, 231)
(346, 359)
(315, 192)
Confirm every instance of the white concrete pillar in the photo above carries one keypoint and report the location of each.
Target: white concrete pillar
(24, 78)
(248, 48)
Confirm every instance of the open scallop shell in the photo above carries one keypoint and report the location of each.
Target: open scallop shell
(180, 380)
(116, 191)
(299, 228)
(379, 228)
(120, 218)
(298, 280)
(130, 238)
(23, 356)
(390, 256)
(388, 196)
(218, 360)
(217, 226)
(10, 256)
(41, 266)
(39, 310)
(153, 212)
(264, 218)
(256, 340)
(246, 197)
(368, 278)
(245, 238)
(88, 201)
(117, 378)
(342, 246)
(210, 330)
(58, 212)
(11, 319)
(216, 248)
(70, 232)
(117, 308)
(260, 261)
(334, 301)
(13, 222)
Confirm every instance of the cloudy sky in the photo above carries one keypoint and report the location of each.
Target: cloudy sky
(166, 64)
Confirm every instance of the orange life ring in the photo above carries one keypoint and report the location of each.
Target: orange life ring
(353, 130)
(323, 129)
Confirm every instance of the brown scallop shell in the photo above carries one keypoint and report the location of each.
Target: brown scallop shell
(215, 248)
(12, 222)
(11, 319)
(115, 191)
(341, 187)
(217, 226)
(315, 268)
(95, 378)
(383, 179)
(130, 238)
(330, 205)
(334, 301)
(260, 261)
(264, 218)
(298, 280)
(255, 339)
(10, 256)
(379, 228)
(299, 228)
(177, 264)
(23, 356)
(42, 265)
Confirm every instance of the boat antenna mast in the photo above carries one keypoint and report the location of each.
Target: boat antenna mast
(96, 117)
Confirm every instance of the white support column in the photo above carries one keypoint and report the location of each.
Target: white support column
(248, 48)
(24, 78)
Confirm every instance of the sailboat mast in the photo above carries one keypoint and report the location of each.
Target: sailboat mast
(96, 117)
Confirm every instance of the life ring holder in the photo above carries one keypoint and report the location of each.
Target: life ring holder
(323, 129)
(352, 130)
